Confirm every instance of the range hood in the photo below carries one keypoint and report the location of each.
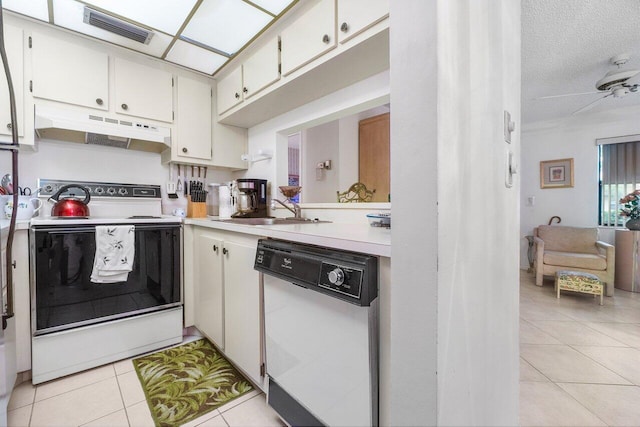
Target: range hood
(96, 128)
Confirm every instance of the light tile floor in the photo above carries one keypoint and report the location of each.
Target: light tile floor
(111, 396)
(579, 361)
(579, 366)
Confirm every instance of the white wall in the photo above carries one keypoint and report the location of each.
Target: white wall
(455, 66)
(272, 135)
(79, 162)
(320, 143)
(573, 137)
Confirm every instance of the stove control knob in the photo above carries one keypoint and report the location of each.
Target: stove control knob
(99, 190)
(336, 277)
(111, 191)
(122, 191)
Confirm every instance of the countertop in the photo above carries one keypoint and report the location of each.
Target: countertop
(347, 236)
(357, 237)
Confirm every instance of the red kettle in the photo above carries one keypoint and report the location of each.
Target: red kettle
(70, 205)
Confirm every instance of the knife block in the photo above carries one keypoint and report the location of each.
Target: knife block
(196, 210)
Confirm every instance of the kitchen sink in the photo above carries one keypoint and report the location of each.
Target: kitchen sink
(272, 221)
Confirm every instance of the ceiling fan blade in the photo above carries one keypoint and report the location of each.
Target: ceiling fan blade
(590, 105)
(568, 94)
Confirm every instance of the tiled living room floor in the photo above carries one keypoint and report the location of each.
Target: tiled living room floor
(579, 361)
(579, 366)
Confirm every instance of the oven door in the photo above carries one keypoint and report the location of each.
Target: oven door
(64, 297)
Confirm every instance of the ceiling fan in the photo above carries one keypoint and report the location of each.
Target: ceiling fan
(614, 83)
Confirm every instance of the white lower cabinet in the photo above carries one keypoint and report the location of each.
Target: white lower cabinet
(242, 308)
(209, 296)
(227, 296)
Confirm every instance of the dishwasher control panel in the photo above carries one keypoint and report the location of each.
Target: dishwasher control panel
(348, 276)
(347, 281)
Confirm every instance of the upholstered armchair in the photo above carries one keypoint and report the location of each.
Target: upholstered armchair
(573, 248)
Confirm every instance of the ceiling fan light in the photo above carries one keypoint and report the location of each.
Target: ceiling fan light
(620, 92)
(614, 78)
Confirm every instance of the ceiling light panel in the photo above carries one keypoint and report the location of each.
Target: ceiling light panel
(69, 14)
(225, 25)
(164, 15)
(34, 8)
(273, 6)
(195, 57)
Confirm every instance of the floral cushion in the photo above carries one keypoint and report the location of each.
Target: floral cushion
(579, 282)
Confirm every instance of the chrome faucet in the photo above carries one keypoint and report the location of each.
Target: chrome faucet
(296, 211)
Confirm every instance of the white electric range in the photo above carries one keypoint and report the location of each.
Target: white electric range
(78, 324)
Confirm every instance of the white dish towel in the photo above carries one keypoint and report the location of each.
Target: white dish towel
(115, 250)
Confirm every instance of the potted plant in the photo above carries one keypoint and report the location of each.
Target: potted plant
(631, 209)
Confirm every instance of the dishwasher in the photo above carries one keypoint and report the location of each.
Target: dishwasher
(321, 333)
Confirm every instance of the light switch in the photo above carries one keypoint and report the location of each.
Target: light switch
(511, 168)
(509, 126)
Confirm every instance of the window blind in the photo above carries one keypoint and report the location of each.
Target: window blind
(619, 176)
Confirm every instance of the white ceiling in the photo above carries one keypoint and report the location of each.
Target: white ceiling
(566, 46)
(199, 34)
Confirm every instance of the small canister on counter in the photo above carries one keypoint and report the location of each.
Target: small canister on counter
(213, 199)
(226, 208)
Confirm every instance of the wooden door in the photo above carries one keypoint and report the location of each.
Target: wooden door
(374, 156)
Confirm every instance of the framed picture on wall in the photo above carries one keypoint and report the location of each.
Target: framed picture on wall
(556, 173)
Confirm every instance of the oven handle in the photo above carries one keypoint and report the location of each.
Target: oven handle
(68, 230)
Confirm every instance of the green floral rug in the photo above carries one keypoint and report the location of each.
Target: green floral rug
(185, 382)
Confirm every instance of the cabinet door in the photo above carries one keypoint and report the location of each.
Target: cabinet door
(310, 36)
(208, 278)
(66, 72)
(242, 308)
(13, 46)
(143, 91)
(193, 119)
(22, 299)
(355, 16)
(228, 146)
(261, 69)
(230, 91)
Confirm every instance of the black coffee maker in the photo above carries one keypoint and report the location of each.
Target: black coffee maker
(251, 199)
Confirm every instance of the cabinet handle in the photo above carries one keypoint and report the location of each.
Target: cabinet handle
(125, 106)
(14, 264)
(215, 248)
(344, 27)
(237, 95)
(245, 90)
(184, 149)
(326, 39)
(9, 126)
(99, 101)
(225, 251)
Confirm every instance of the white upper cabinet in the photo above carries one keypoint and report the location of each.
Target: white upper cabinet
(230, 90)
(355, 16)
(13, 46)
(261, 69)
(69, 73)
(143, 91)
(257, 72)
(193, 120)
(308, 37)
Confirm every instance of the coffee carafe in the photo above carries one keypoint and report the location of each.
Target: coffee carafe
(251, 199)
